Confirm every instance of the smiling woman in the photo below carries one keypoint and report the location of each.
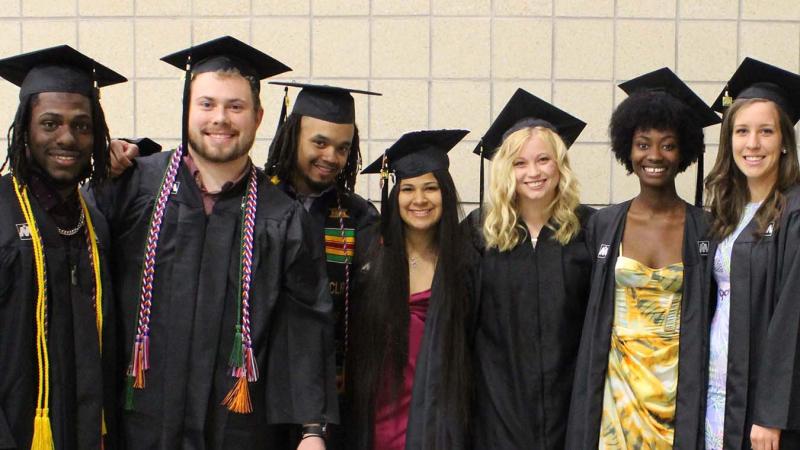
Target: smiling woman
(641, 352)
(755, 202)
(408, 382)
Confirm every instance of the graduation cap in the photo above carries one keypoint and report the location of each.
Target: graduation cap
(665, 80)
(756, 79)
(414, 154)
(525, 110)
(57, 69)
(146, 146)
(223, 53)
(328, 103)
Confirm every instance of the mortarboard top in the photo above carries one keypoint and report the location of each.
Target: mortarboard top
(225, 53)
(756, 79)
(665, 80)
(57, 69)
(525, 110)
(146, 146)
(328, 103)
(418, 152)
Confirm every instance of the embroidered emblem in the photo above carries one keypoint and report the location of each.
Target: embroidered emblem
(603, 251)
(702, 248)
(339, 213)
(24, 231)
(770, 229)
(340, 244)
(175, 187)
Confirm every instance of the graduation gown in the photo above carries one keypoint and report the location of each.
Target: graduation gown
(80, 386)
(763, 384)
(194, 313)
(604, 234)
(529, 323)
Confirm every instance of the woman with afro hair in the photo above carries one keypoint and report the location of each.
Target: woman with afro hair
(639, 373)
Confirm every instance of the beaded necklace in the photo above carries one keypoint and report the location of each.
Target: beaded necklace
(42, 431)
(242, 361)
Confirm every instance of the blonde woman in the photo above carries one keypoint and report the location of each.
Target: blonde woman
(535, 280)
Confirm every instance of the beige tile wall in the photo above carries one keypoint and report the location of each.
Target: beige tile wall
(439, 63)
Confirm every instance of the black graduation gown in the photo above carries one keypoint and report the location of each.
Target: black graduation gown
(78, 380)
(763, 384)
(604, 235)
(194, 313)
(357, 215)
(529, 323)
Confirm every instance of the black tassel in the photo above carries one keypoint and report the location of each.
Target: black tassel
(187, 84)
(385, 200)
(284, 109)
(698, 190)
(480, 189)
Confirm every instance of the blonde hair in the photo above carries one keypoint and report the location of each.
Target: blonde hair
(501, 229)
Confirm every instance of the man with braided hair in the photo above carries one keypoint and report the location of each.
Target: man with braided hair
(55, 304)
(314, 158)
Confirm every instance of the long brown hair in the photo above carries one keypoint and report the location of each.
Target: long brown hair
(726, 186)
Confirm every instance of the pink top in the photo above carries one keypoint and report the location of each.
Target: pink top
(391, 417)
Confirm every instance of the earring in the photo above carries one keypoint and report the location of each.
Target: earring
(784, 151)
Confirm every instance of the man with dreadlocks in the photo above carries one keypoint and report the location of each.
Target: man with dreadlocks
(55, 389)
(314, 158)
(223, 297)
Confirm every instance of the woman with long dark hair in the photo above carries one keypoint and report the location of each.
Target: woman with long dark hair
(408, 364)
(640, 366)
(752, 400)
(535, 279)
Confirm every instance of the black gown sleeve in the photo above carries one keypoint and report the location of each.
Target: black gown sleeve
(301, 364)
(777, 399)
(6, 438)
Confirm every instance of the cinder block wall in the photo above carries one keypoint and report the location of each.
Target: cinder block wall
(439, 63)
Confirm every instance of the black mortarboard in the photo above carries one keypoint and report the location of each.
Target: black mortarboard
(146, 146)
(756, 79)
(525, 110)
(415, 153)
(57, 69)
(222, 53)
(328, 103)
(665, 80)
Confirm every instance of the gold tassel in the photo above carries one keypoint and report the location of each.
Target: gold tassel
(42, 433)
(238, 398)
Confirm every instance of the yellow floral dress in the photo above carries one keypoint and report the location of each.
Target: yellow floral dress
(642, 377)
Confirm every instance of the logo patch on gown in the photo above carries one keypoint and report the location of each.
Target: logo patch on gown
(770, 229)
(175, 187)
(335, 241)
(339, 213)
(24, 231)
(603, 251)
(702, 248)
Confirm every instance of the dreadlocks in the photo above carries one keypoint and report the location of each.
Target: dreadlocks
(282, 159)
(17, 156)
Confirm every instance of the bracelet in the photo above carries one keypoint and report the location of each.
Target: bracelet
(315, 429)
(308, 435)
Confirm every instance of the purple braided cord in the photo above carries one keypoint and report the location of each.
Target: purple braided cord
(249, 365)
(141, 344)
